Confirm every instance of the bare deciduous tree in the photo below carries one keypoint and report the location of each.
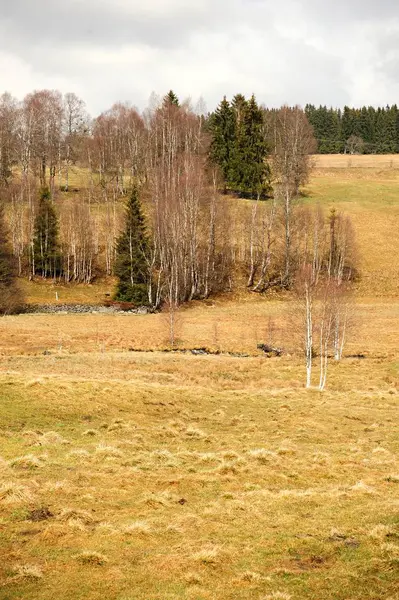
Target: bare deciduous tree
(75, 124)
(292, 142)
(322, 289)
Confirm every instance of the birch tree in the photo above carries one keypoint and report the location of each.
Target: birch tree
(292, 142)
(75, 123)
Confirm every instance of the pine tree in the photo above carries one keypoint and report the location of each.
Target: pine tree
(10, 294)
(131, 266)
(46, 248)
(221, 125)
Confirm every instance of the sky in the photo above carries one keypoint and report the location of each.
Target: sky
(332, 52)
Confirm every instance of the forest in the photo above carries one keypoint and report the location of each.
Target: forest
(365, 130)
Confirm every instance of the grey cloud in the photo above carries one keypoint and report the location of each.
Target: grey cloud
(57, 23)
(294, 51)
(349, 12)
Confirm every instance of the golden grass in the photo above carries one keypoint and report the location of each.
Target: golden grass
(46, 292)
(208, 477)
(235, 324)
(157, 476)
(361, 161)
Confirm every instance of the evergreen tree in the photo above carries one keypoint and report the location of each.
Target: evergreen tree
(380, 131)
(397, 130)
(364, 127)
(10, 294)
(347, 125)
(335, 131)
(46, 248)
(171, 98)
(249, 172)
(390, 129)
(131, 266)
(335, 145)
(222, 127)
(239, 104)
(326, 125)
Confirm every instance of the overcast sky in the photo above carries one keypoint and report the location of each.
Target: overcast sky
(285, 51)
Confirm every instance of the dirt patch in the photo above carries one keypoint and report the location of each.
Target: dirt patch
(40, 514)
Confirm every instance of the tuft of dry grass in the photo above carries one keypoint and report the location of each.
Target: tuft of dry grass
(31, 572)
(51, 438)
(193, 578)
(105, 451)
(92, 558)
(137, 527)
(251, 577)
(90, 432)
(157, 499)
(75, 516)
(195, 433)
(209, 555)
(29, 461)
(263, 456)
(14, 493)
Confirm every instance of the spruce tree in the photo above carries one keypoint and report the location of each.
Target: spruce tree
(10, 294)
(363, 127)
(334, 131)
(238, 105)
(222, 128)
(347, 125)
(171, 98)
(131, 266)
(380, 131)
(46, 247)
(390, 129)
(249, 174)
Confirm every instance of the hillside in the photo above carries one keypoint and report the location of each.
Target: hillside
(364, 187)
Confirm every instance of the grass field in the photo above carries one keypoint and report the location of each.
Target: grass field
(131, 475)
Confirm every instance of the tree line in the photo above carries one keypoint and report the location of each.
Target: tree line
(138, 195)
(365, 130)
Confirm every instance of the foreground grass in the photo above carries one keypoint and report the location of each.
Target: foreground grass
(150, 477)
(147, 476)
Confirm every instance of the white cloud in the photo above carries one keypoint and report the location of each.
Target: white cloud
(115, 50)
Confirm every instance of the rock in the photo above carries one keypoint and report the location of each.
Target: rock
(270, 350)
(86, 308)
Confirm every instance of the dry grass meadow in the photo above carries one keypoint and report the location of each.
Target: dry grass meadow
(130, 475)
